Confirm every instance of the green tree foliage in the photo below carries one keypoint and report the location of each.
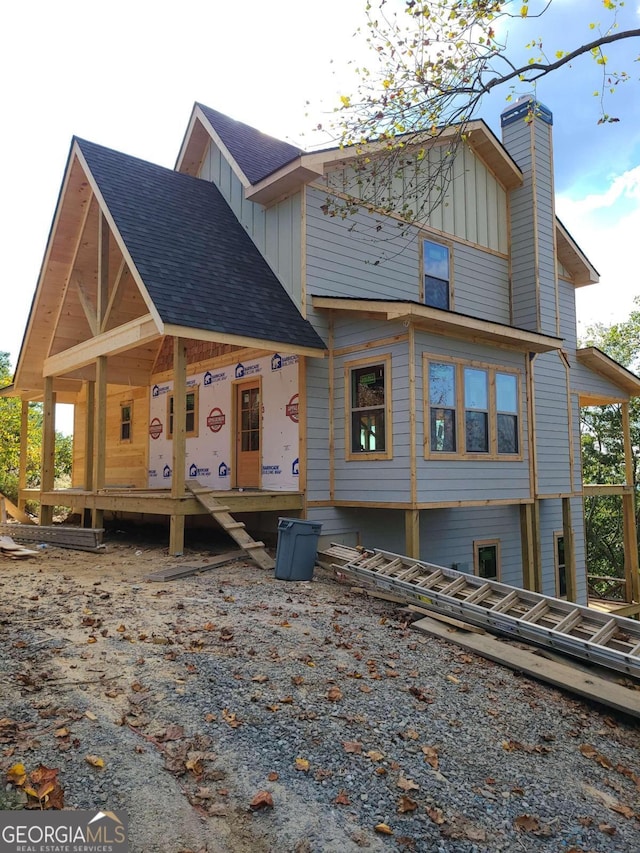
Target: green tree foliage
(10, 419)
(431, 64)
(603, 450)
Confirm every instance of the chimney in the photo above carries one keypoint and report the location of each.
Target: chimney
(527, 136)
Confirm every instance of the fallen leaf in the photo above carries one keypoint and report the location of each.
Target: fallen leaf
(407, 784)
(90, 715)
(430, 756)
(374, 755)
(17, 774)
(260, 679)
(262, 800)
(334, 694)
(352, 746)
(63, 732)
(273, 776)
(297, 680)
(527, 823)
(302, 764)
(453, 679)
(94, 760)
(607, 829)
(406, 804)
(623, 810)
(383, 829)
(342, 799)
(436, 815)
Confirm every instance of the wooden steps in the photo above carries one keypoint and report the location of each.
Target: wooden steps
(235, 529)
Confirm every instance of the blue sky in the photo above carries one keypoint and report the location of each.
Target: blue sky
(127, 75)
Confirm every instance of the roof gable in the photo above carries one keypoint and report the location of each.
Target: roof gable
(197, 263)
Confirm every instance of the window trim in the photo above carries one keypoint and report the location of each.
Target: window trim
(460, 364)
(557, 535)
(349, 366)
(485, 543)
(191, 389)
(126, 404)
(429, 238)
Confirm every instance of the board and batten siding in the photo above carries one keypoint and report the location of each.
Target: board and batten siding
(472, 479)
(353, 258)
(473, 206)
(551, 424)
(276, 230)
(551, 523)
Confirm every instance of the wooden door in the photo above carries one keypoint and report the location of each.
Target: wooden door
(248, 435)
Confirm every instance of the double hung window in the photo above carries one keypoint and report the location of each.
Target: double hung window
(191, 418)
(436, 275)
(368, 408)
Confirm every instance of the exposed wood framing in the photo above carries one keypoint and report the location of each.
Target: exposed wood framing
(48, 447)
(100, 435)
(528, 549)
(628, 512)
(412, 533)
(24, 447)
(569, 550)
(179, 443)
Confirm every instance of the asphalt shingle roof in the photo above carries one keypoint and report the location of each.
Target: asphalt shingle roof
(257, 154)
(200, 267)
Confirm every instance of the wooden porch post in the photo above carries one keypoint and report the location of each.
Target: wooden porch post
(527, 545)
(24, 449)
(100, 436)
(412, 533)
(631, 571)
(176, 533)
(47, 476)
(90, 402)
(569, 550)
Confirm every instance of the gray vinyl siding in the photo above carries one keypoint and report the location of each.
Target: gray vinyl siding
(469, 479)
(568, 328)
(353, 258)
(447, 537)
(276, 231)
(551, 424)
(551, 523)
(317, 421)
(587, 381)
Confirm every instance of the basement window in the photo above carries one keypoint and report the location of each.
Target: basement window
(486, 559)
(191, 420)
(126, 419)
(561, 566)
(368, 408)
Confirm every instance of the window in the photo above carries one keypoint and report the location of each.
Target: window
(561, 566)
(471, 409)
(126, 415)
(435, 267)
(486, 559)
(191, 421)
(442, 406)
(369, 426)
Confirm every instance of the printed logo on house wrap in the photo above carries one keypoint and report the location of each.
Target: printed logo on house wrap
(278, 361)
(210, 378)
(243, 370)
(159, 389)
(215, 419)
(223, 470)
(63, 832)
(295, 467)
(166, 472)
(155, 428)
(194, 471)
(291, 409)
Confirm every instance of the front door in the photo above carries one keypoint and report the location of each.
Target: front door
(248, 435)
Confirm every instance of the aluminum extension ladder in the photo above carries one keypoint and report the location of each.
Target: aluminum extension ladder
(601, 638)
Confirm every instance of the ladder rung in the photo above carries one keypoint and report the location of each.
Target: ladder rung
(569, 622)
(428, 582)
(605, 633)
(537, 611)
(479, 593)
(453, 587)
(216, 509)
(409, 572)
(235, 525)
(635, 651)
(505, 603)
(251, 545)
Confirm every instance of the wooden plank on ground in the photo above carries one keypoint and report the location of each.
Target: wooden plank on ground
(448, 620)
(565, 676)
(12, 510)
(11, 549)
(172, 573)
(374, 593)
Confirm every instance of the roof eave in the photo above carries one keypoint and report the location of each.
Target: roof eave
(444, 323)
(573, 258)
(604, 365)
(245, 341)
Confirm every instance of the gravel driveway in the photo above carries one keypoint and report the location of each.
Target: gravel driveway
(236, 712)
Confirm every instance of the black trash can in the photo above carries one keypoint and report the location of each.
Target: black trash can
(297, 549)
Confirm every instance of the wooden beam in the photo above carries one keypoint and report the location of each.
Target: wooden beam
(412, 533)
(179, 442)
(100, 435)
(132, 334)
(88, 307)
(631, 568)
(115, 293)
(527, 546)
(598, 489)
(569, 550)
(47, 476)
(537, 548)
(24, 450)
